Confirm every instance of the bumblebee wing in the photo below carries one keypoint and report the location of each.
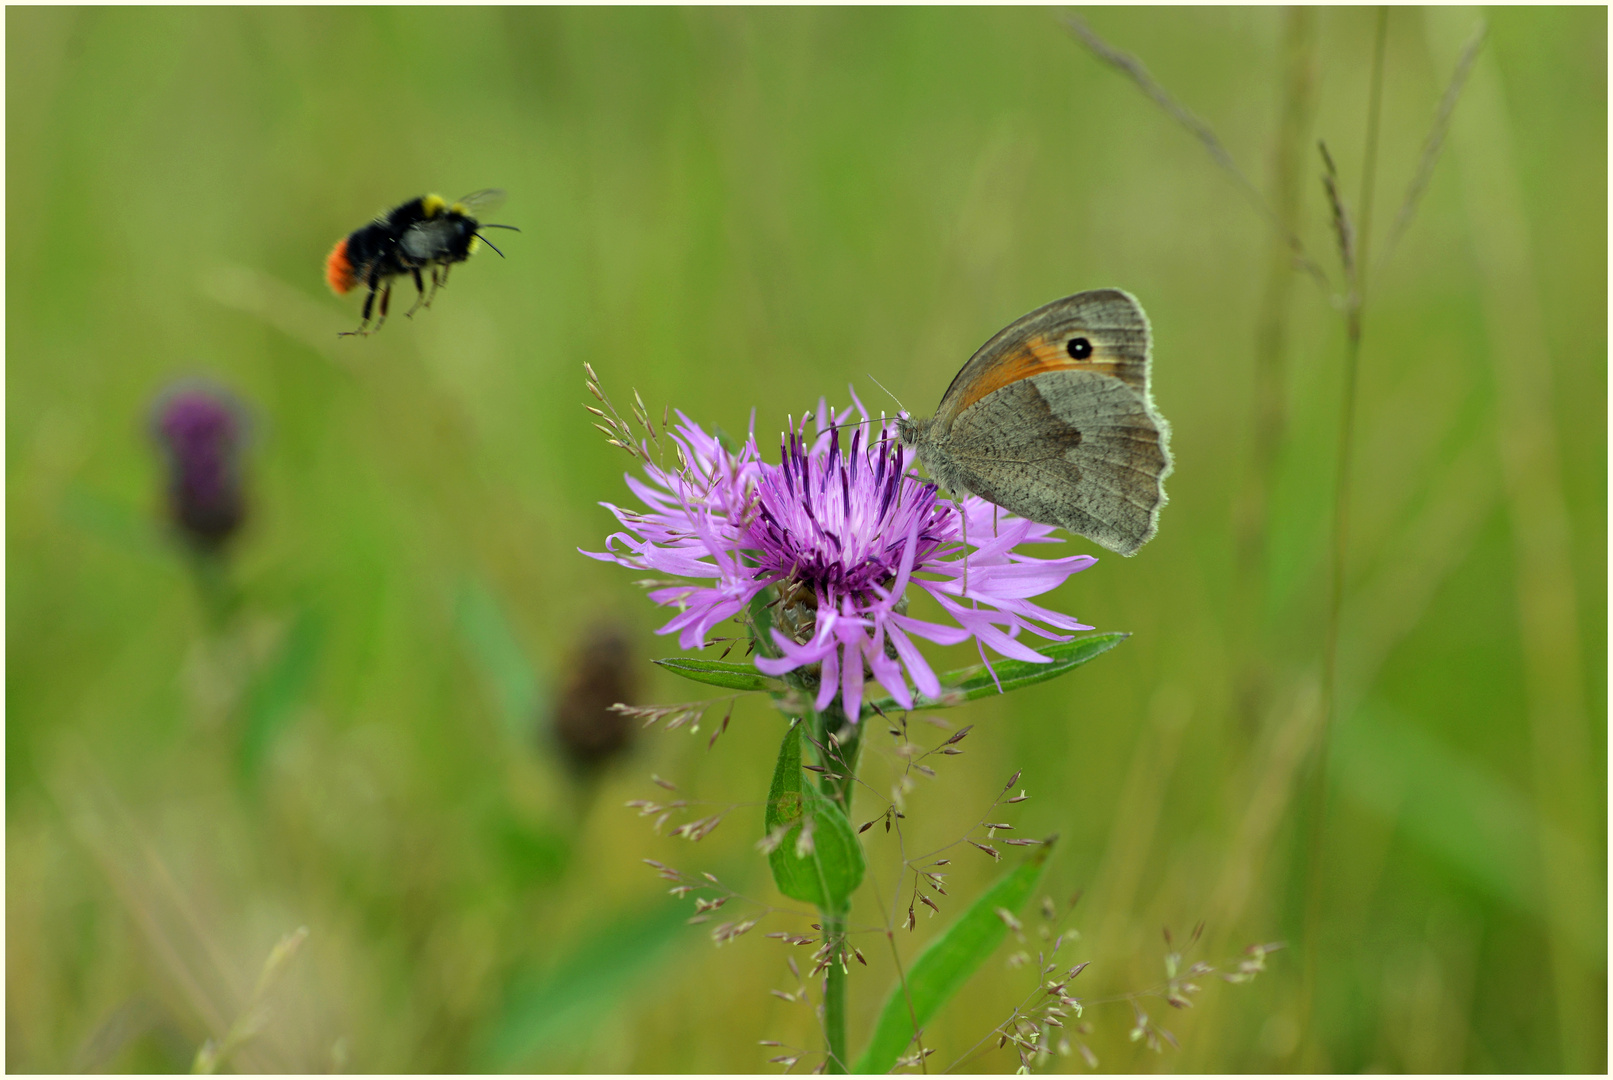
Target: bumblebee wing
(479, 203)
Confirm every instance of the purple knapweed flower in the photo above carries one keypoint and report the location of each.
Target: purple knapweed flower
(844, 530)
(200, 429)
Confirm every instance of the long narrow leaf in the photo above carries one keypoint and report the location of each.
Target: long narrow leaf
(542, 1010)
(972, 683)
(946, 963)
(717, 673)
(491, 642)
(277, 692)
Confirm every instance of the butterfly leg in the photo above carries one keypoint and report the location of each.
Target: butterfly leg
(964, 517)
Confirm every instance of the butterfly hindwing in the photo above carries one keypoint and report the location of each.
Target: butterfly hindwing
(1069, 447)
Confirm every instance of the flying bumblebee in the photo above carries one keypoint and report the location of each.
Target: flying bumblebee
(424, 233)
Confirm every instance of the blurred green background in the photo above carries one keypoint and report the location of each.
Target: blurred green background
(735, 209)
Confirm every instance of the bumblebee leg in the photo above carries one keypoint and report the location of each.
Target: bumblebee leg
(386, 299)
(420, 293)
(436, 283)
(364, 319)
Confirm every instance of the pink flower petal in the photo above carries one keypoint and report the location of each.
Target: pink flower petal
(829, 681)
(936, 632)
(888, 671)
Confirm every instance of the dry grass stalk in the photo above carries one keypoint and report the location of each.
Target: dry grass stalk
(1133, 68)
(1435, 140)
(254, 1017)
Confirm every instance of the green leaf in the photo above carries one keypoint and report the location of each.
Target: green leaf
(972, 683)
(831, 867)
(717, 673)
(532, 853)
(1459, 811)
(946, 963)
(492, 643)
(544, 1008)
(113, 522)
(278, 690)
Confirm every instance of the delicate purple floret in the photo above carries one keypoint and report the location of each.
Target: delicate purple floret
(201, 431)
(844, 529)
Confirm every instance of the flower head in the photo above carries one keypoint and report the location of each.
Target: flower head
(200, 429)
(843, 530)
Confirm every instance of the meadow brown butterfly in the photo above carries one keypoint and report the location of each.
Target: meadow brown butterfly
(1052, 419)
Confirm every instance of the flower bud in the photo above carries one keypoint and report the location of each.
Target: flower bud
(200, 428)
(601, 675)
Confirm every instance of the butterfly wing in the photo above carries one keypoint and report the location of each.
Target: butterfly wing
(1111, 322)
(1060, 439)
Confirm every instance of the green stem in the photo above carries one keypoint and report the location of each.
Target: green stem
(840, 765)
(211, 573)
(836, 783)
(841, 761)
(1310, 1046)
(1269, 417)
(834, 1000)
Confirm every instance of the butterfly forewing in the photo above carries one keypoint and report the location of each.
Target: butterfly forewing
(1110, 323)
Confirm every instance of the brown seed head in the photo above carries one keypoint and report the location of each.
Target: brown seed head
(589, 732)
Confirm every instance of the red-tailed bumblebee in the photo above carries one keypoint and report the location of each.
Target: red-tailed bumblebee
(424, 233)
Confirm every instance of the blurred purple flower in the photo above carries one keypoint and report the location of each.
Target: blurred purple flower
(843, 531)
(201, 430)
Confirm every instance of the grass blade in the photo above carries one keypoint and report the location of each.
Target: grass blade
(542, 1012)
(946, 963)
(276, 694)
(492, 644)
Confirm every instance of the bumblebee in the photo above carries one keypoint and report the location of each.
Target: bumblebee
(424, 233)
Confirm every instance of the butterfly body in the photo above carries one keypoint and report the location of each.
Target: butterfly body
(1053, 419)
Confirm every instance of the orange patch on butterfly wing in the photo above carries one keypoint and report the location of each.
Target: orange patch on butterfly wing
(1035, 356)
(338, 269)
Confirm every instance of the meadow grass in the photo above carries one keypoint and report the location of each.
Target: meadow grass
(733, 209)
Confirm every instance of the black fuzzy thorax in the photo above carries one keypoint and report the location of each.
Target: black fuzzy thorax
(378, 247)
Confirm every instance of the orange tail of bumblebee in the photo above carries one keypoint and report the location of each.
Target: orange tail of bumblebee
(338, 270)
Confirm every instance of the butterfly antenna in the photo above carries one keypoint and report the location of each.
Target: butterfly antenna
(871, 420)
(893, 397)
